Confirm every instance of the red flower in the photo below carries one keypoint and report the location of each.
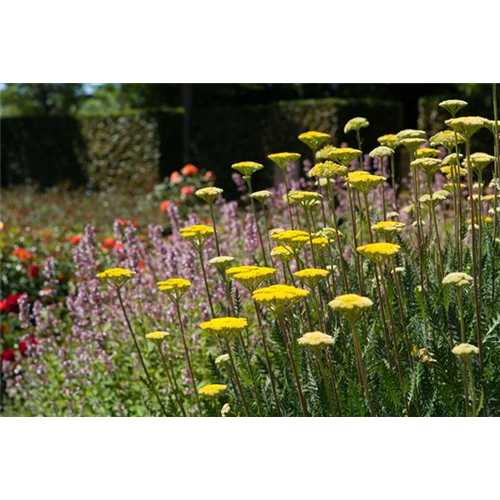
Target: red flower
(33, 271)
(22, 254)
(75, 239)
(209, 176)
(26, 343)
(189, 169)
(142, 263)
(11, 303)
(108, 243)
(47, 235)
(8, 355)
(164, 205)
(118, 246)
(175, 178)
(187, 190)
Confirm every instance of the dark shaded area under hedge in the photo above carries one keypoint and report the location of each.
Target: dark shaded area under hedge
(136, 149)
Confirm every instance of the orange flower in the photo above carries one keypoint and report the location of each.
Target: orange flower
(108, 243)
(209, 176)
(164, 205)
(22, 254)
(187, 190)
(175, 178)
(189, 169)
(75, 240)
(47, 235)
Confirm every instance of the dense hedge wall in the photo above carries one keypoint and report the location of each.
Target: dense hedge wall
(137, 148)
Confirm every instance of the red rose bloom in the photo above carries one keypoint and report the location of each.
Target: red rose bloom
(33, 271)
(8, 355)
(11, 303)
(187, 190)
(189, 169)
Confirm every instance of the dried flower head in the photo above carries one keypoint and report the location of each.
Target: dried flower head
(426, 357)
(316, 340)
(453, 106)
(209, 194)
(381, 152)
(314, 140)
(458, 280)
(283, 159)
(212, 390)
(356, 124)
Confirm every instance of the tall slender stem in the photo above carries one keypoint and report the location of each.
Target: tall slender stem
(171, 379)
(236, 376)
(211, 205)
(207, 289)
(138, 349)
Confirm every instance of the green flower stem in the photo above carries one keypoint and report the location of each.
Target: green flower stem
(368, 222)
(416, 198)
(207, 289)
(393, 179)
(251, 373)
(333, 377)
(480, 223)
(236, 376)
(326, 385)
(466, 388)
(475, 262)
(472, 387)
(287, 201)
(138, 349)
(461, 314)
(186, 355)
(337, 237)
(284, 330)
(361, 367)
(211, 205)
(306, 210)
(496, 176)
(432, 210)
(268, 360)
(355, 240)
(254, 211)
(171, 379)
(459, 202)
(266, 226)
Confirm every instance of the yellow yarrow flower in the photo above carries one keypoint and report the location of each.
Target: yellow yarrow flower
(467, 125)
(282, 253)
(175, 288)
(319, 242)
(351, 304)
(378, 252)
(311, 276)
(279, 297)
(254, 278)
(434, 198)
(363, 181)
(327, 170)
(451, 171)
(240, 269)
(446, 138)
(247, 168)
(209, 194)
(480, 161)
(212, 390)
(465, 351)
(224, 327)
(198, 234)
(157, 337)
(453, 106)
(117, 276)
(314, 139)
(261, 196)
(427, 165)
(221, 262)
(316, 340)
(388, 228)
(283, 159)
(293, 238)
(356, 124)
(410, 133)
(325, 153)
(427, 153)
(381, 152)
(412, 143)
(306, 199)
(345, 156)
(389, 140)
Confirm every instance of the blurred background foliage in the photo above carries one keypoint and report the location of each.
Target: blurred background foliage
(104, 135)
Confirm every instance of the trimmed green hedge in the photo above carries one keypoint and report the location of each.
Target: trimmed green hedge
(135, 149)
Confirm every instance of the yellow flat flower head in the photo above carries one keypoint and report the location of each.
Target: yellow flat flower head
(467, 125)
(157, 337)
(446, 138)
(293, 238)
(279, 297)
(116, 276)
(427, 165)
(212, 390)
(314, 140)
(261, 196)
(247, 168)
(224, 327)
(311, 277)
(412, 143)
(319, 242)
(388, 228)
(378, 252)
(465, 351)
(330, 234)
(458, 280)
(198, 234)
(434, 198)
(316, 340)
(240, 269)
(222, 262)
(223, 358)
(427, 153)
(327, 170)
(325, 153)
(283, 159)
(453, 106)
(282, 253)
(356, 124)
(345, 156)
(480, 161)
(175, 288)
(254, 278)
(306, 199)
(410, 133)
(363, 181)
(351, 304)
(452, 170)
(381, 152)
(209, 194)
(389, 140)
